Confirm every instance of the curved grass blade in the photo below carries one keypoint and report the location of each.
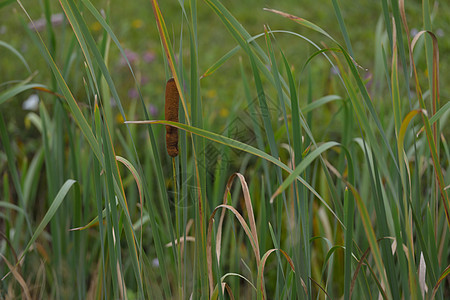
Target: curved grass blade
(249, 209)
(216, 291)
(265, 71)
(440, 113)
(303, 22)
(358, 268)
(50, 212)
(138, 181)
(18, 277)
(404, 127)
(320, 287)
(136, 176)
(243, 38)
(8, 205)
(441, 278)
(17, 90)
(248, 232)
(319, 102)
(260, 280)
(235, 28)
(220, 62)
(240, 276)
(303, 165)
(15, 52)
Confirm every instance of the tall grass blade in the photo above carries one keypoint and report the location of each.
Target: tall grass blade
(56, 203)
(15, 177)
(342, 26)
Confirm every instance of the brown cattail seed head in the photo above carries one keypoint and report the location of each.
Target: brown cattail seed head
(171, 114)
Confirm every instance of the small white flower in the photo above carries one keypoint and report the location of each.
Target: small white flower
(334, 70)
(31, 103)
(155, 262)
(40, 24)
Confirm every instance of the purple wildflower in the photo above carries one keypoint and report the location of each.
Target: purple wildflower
(148, 56)
(153, 110)
(144, 79)
(132, 57)
(133, 93)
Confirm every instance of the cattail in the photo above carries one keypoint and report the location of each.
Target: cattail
(171, 112)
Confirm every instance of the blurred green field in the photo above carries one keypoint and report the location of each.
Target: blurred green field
(341, 159)
(135, 27)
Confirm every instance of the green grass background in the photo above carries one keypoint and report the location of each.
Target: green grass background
(65, 166)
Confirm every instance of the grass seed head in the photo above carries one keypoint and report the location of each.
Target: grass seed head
(171, 114)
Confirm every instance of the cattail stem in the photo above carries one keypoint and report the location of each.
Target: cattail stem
(177, 229)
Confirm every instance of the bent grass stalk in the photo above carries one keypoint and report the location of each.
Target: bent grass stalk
(250, 231)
